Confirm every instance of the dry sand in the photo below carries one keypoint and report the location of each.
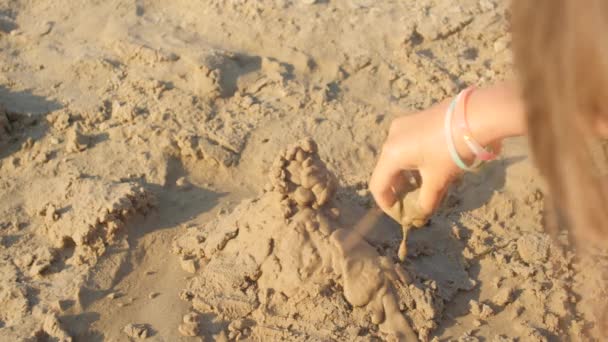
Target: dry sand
(157, 181)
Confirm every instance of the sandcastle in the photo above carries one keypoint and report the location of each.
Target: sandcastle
(285, 248)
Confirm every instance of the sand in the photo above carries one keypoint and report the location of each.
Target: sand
(182, 171)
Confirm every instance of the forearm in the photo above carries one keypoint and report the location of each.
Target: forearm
(496, 112)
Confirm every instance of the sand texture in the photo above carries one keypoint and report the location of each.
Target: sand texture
(197, 171)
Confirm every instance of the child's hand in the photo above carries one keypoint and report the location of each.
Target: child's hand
(417, 142)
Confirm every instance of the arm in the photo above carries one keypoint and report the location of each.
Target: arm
(495, 113)
(417, 142)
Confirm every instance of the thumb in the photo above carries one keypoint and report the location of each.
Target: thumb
(431, 194)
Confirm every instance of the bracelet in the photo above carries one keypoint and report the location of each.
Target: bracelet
(449, 114)
(479, 151)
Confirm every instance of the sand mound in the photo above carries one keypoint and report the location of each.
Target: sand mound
(89, 213)
(283, 259)
(79, 219)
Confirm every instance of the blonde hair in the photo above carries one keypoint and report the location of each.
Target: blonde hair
(561, 56)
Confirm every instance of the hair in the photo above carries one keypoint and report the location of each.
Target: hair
(561, 60)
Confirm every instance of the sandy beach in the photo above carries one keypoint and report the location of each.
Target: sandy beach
(198, 171)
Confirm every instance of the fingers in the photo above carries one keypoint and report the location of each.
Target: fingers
(386, 182)
(431, 193)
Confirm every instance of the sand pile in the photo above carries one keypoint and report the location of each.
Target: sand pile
(282, 259)
(78, 220)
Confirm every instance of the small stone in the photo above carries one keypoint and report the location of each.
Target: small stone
(477, 323)
(188, 265)
(153, 295)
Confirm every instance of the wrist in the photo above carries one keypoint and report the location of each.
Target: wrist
(495, 113)
(457, 147)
